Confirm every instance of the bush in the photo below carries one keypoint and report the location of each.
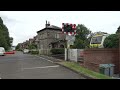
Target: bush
(112, 41)
(57, 51)
(34, 52)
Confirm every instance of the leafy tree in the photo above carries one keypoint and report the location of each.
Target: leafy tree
(3, 42)
(4, 36)
(118, 30)
(32, 46)
(82, 40)
(112, 41)
(18, 47)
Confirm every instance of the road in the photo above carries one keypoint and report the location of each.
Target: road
(25, 66)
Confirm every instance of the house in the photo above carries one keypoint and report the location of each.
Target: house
(31, 41)
(35, 40)
(50, 37)
(25, 44)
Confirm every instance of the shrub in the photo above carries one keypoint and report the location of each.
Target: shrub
(112, 41)
(57, 51)
(34, 52)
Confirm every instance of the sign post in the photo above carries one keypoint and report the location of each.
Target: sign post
(70, 31)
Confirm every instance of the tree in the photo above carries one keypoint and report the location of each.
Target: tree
(3, 42)
(4, 36)
(11, 40)
(118, 30)
(82, 40)
(32, 46)
(18, 47)
(112, 41)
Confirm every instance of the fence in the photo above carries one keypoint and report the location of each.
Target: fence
(44, 51)
(74, 54)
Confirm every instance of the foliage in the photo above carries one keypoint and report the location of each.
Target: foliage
(32, 46)
(112, 41)
(57, 51)
(82, 41)
(18, 47)
(118, 30)
(4, 36)
(34, 52)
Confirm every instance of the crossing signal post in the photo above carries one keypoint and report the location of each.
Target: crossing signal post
(70, 31)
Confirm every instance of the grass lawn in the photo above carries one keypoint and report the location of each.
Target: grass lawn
(78, 68)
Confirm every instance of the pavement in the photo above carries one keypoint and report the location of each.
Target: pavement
(26, 66)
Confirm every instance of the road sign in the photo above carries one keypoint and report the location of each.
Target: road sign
(70, 42)
(69, 37)
(69, 28)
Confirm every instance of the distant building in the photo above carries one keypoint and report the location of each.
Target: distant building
(25, 45)
(30, 41)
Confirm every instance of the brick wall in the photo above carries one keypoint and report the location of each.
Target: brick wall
(94, 57)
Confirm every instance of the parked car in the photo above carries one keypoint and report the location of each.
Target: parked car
(10, 52)
(26, 51)
(2, 51)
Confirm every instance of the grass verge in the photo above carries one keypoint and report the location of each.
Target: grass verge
(85, 71)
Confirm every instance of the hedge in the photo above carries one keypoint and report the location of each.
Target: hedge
(34, 52)
(57, 51)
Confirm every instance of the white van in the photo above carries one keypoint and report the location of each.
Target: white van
(2, 51)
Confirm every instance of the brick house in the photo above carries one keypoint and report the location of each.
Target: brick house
(50, 37)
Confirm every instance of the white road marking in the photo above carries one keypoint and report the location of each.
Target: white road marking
(0, 78)
(46, 59)
(42, 67)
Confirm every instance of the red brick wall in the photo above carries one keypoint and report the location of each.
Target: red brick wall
(94, 57)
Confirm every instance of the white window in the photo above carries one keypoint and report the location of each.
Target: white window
(58, 36)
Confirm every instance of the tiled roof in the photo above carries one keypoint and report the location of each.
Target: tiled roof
(51, 27)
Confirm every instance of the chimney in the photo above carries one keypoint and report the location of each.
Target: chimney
(47, 24)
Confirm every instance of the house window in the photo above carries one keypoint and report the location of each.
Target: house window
(61, 46)
(58, 36)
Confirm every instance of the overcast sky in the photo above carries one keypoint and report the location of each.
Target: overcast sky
(23, 25)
